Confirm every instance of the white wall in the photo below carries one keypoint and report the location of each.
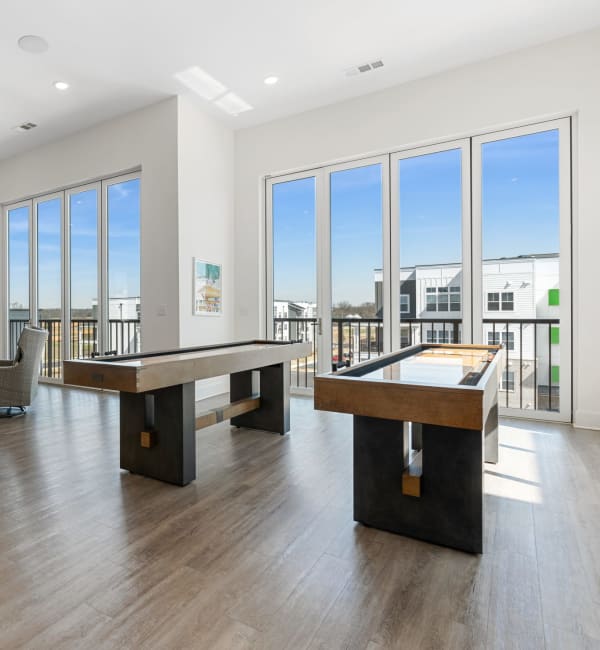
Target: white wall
(148, 139)
(206, 230)
(556, 78)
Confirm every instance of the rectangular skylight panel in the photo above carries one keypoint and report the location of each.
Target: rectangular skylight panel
(201, 83)
(233, 104)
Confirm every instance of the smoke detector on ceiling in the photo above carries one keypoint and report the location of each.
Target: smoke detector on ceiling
(26, 126)
(363, 67)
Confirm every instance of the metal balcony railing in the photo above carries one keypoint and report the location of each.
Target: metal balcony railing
(124, 338)
(530, 374)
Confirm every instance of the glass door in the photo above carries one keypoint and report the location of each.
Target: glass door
(122, 271)
(19, 290)
(328, 242)
(83, 291)
(73, 268)
(292, 295)
(431, 245)
(522, 263)
(359, 257)
(48, 228)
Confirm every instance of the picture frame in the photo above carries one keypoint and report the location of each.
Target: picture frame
(207, 299)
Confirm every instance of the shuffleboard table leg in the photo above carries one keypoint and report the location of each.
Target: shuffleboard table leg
(449, 510)
(168, 414)
(274, 412)
(491, 436)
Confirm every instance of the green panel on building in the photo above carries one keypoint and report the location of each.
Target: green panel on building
(555, 335)
(555, 374)
(554, 297)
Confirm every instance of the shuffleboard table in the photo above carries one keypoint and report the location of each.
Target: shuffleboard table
(158, 419)
(425, 420)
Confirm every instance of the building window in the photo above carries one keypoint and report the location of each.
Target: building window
(508, 301)
(504, 300)
(431, 296)
(438, 336)
(493, 302)
(442, 298)
(508, 380)
(507, 339)
(454, 298)
(404, 303)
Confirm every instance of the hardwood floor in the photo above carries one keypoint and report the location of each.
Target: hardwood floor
(261, 551)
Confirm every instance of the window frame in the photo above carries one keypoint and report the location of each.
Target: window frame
(507, 378)
(407, 296)
(505, 301)
(64, 195)
(502, 338)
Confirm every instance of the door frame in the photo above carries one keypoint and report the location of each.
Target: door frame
(28, 203)
(384, 161)
(464, 146)
(74, 191)
(34, 274)
(563, 126)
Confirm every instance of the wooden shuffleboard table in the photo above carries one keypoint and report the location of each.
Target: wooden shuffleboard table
(425, 420)
(158, 419)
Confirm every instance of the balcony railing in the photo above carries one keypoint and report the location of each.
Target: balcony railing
(124, 338)
(530, 374)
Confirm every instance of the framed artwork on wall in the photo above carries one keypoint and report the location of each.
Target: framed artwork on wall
(207, 299)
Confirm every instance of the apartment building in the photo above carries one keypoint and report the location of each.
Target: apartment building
(520, 310)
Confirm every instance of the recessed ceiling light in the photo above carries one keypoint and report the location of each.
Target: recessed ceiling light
(271, 81)
(33, 44)
(61, 85)
(233, 104)
(201, 83)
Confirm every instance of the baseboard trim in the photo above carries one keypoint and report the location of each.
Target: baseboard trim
(212, 387)
(587, 420)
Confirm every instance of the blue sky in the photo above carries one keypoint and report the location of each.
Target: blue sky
(123, 247)
(519, 211)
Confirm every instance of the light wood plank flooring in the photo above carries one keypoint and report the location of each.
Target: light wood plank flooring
(261, 551)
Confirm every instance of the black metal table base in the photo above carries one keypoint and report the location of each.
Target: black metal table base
(450, 508)
(168, 414)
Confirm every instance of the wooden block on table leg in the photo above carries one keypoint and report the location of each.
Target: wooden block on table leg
(146, 439)
(411, 476)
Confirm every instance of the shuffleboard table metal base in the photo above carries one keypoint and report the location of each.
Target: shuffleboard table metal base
(274, 412)
(449, 510)
(169, 413)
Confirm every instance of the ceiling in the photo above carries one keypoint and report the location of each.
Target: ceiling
(119, 56)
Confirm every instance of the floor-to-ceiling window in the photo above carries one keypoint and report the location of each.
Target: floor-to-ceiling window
(123, 263)
(356, 219)
(84, 291)
(521, 206)
(473, 245)
(18, 225)
(74, 269)
(293, 300)
(48, 231)
(431, 221)
(327, 235)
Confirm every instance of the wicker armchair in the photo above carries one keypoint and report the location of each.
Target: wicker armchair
(19, 377)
